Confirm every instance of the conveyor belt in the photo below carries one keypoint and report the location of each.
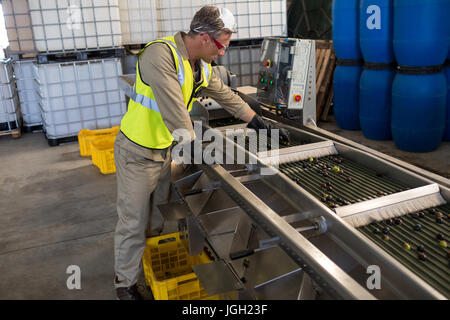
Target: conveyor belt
(225, 122)
(339, 181)
(422, 249)
(249, 143)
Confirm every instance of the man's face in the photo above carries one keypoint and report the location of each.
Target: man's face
(210, 50)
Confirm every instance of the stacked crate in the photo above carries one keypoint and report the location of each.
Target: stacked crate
(255, 20)
(73, 76)
(22, 49)
(144, 21)
(10, 119)
(28, 95)
(79, 95)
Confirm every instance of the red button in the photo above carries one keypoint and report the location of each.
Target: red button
(297, 98)
(265, 63)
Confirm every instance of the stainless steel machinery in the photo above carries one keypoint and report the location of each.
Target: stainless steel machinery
(272, 238)
(287, 78)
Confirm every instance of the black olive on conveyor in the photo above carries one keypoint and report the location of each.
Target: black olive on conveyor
(422, 256)
(440, 236)
(390, 222)
(376, 231)
(417, 227)
(398, 221)
(415, 215)
(421, 248)
(422, 214)
(386, 230)
(439, 220)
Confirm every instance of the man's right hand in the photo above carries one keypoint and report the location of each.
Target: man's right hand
(258, 123)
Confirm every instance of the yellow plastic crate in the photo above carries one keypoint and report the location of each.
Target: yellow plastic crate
(168, 270)
(85, 136)
(103, 154)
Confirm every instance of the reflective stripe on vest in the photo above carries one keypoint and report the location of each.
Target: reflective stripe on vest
(181, 76)
(145, 101)
(205, 67)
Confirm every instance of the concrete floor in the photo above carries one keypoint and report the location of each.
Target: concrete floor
(57, 210)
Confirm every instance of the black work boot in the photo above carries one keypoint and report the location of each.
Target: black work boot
(130, 293)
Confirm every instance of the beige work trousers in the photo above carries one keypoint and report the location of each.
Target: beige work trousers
(143, 182)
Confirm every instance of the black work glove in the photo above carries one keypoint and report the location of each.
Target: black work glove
(258, 123)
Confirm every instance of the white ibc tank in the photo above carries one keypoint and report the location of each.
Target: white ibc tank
(138, 21)
(244, 62)
(80, 95)
(18, 26)
(62, 25)
(254, 18)
(9, 103)
(28, 96)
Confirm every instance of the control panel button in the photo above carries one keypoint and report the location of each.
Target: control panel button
(297, 98)
(267, 63)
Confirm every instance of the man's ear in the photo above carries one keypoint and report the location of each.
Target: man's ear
(205, 38)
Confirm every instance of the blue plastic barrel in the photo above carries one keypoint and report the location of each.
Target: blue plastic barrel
(420, 30)
(419, 105)
(447, 126)
(346, 96)
(345, 31)
(375, 99)
(376, 31)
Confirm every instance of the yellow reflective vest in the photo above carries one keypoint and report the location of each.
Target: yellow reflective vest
(143, 123)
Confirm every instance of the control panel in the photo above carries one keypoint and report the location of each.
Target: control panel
(287, 77)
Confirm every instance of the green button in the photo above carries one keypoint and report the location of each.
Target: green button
(271, 82)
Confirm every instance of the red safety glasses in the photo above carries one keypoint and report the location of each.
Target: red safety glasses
(219, 45)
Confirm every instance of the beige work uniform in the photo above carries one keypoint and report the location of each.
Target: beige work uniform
(143, 174)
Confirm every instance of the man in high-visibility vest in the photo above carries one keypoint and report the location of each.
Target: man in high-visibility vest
(169, 74)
